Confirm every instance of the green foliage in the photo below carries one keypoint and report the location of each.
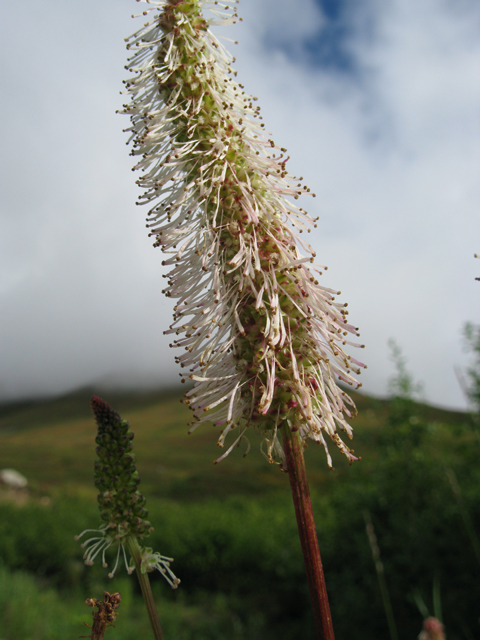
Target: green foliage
(402, 408)
(471, 335)
(238, 555)
(39, 539)
(241, 566)
(401, 385)
(23, 605)
(29, 611)
(417, 519)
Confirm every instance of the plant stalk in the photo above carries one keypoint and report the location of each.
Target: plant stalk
(467, 521)
(135, 550)
(387, 604)
(308, 534)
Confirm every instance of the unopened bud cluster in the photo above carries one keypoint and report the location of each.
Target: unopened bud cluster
(122, 506)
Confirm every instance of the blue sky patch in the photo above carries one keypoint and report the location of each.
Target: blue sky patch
(327, 48)
(332, 9)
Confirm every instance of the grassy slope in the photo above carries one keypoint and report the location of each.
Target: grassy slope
(418, 525)
(52, 443)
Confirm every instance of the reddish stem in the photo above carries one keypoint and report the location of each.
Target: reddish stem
(308, 534)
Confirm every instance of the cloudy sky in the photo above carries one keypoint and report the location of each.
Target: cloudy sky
(377, 102)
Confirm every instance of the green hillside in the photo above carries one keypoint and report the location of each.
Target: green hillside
(231, 527)
(51, 442)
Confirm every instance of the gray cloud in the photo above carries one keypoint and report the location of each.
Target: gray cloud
(391, 149)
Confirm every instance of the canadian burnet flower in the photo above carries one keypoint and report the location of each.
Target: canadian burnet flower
(122, 506)
(263, 341)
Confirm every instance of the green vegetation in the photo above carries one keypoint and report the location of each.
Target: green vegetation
(471, 334)
(231, 528)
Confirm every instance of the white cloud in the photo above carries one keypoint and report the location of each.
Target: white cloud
(393, 155)
(281, 22)
(392, 151)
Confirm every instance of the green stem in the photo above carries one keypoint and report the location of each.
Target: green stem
(467, 521)
(136, 552)
(387, 605)
(308, 534)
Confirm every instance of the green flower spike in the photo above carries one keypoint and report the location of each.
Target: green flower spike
(122, 506)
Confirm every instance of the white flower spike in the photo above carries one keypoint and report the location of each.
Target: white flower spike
(263, 340)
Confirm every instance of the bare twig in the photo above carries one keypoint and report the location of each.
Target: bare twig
(106, 614)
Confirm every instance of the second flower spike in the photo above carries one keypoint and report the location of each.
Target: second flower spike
(122, 506)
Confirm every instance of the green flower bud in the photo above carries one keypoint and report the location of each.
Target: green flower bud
(122, 506)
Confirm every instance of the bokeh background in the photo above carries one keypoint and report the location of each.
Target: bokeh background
(377, 103)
